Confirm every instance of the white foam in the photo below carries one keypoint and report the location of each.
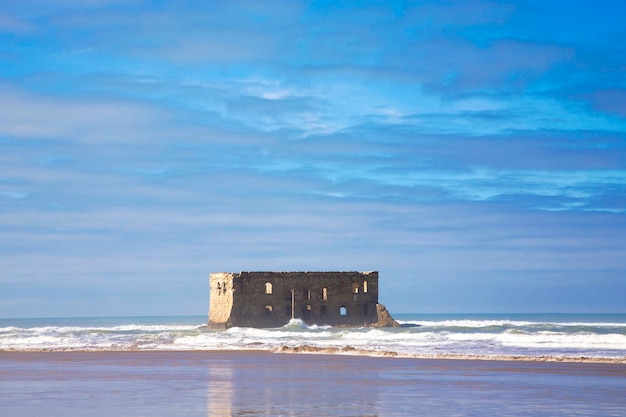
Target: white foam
(456, 337)
(9, 329)
(507, 323)
(552, 340)
(466, 323)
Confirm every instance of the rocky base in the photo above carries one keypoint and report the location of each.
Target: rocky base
(384, 318)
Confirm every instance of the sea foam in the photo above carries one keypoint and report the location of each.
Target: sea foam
(426, 338)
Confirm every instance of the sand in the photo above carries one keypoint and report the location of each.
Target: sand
(220, 383)
(349, 350)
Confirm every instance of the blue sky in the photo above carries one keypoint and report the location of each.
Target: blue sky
(473, 152)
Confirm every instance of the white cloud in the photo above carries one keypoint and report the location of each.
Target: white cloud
(24, 115)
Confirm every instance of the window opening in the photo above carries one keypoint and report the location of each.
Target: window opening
(324, 294)
(268, 309)
(355, 288)
(268, 288)
(343, 311)
(306, 293)
(364, 286)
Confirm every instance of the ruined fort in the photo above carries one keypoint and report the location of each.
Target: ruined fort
(272, 299)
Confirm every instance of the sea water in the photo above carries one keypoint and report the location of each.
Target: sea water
(522, 336)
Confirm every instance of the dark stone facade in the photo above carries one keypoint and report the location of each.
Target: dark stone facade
(271, 299)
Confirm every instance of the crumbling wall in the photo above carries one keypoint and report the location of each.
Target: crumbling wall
(384, 318)
(271, 299)
(221, 299)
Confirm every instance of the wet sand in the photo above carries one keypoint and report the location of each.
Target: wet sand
(348, 350)
(240, 383)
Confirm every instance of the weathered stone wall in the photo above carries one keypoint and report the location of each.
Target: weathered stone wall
(265, 299)
(221, 299)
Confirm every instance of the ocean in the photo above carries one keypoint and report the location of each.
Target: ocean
(435, 365)
(511, 336)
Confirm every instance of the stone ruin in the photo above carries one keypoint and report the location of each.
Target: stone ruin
(272, 299)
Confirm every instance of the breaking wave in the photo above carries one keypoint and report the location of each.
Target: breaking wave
(556, 339)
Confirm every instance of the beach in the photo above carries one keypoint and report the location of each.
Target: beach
(248, 383)
(435, 365)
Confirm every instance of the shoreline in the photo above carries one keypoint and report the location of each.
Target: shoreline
(348, 350)
(344, 351)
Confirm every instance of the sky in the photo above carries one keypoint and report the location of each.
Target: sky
(472, 152)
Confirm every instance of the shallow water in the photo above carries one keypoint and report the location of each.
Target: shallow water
(258, 383)
(495, 335)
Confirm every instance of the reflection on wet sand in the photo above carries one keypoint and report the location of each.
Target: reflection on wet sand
(220, 391)
(302, 385)
(195, 384)
(245, 384)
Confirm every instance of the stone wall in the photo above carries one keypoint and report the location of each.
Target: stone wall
(220, 299)
(269, 299)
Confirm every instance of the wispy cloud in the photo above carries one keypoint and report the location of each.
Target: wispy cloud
(24, 116)
(472, 144)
